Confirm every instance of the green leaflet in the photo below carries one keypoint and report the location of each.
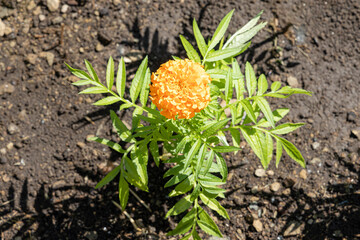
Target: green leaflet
(275, 86)
(207, 224)
(107, 101)
(286, 128)
(214, 127)
(278, 151)
(79, 73)
(200, 159)
(186, 185)
(224, 149)
(192, 152)
(120, 127)
(221, 166)
(110, 73)
(123, 192)
(121, 78)
(137, 82)
(109, 177)
(262, 85)
(265, 108)
(292, 151)
(91, 71)
(250, 79)
(108, 143)
(185, 224)
(220, 30)
(154, 149)
(228, 86)
(94, 90)
(190, 51)
(181, 206)
(278, 115)
(248, 109)
(214, 205)
(199, 39)
(144, 93)
(226, 53)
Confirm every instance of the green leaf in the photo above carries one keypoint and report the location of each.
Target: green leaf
(292, 151)
(190, 51)
(110, 73)
(123, 192)
(179, 207)
(262, 85)
(214, 205)
(278, 115)
(214, 128)
(195, 235)
(125, 105)
(200, 159)
(121, 78)
(228, 86)
(94, 90)
(79, 73)
(286, 128)
(199, 39)
(144, 93)
(250, 79)
(178, 177)
(107, 101)
(226, 53)
(248, 109)
(120, 127)
(181, 145)
(278, 152)
(154, 149)
(238, 80)
(109, 177)
(220, 31)
(185, 224)
(209, 161)
(207, 224)
(224, 149)
(138, 80)
(91, 71)
(275, 86)
(82, 82)
(235, 135)
(265, 108)
(108, 143)
(246, 32)
(267, 146)
(222, 166)
(192, 152)
(253, 138)
(183, 187)
(217, 73)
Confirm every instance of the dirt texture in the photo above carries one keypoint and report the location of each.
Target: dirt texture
(48, 170)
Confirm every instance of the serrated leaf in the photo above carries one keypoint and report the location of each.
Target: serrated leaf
(185, 224)
(107, 101)
(214, 205)
(200, 159)
(110, 73)
(275, 86)
(278, 115)
(228, 86)
(195, 235)
(289, 90)
(250, 79)
(144, 93)
(194, 149)
(121, 78)
(120, 127)
(123, 192)
(262, 85)
(268, 148)
(235, 135)
(253, 139)
(221, 166)
(138, 80)
(183, 187)
(226, 53)
(248, 109)
(94, 90)
(266, 110)
(286, 128)
(190, 51)
(207, 224)
(220, 30)
(82, 82)
(292, 151)
(125, 105)
(278, 152)
(178, 177)
(209, 161)
(199, 39)
(181, 206)
(213, 128)
(225, 149)
(217, 73)
(238, 80)
(276, 95)
(91, 71)
(154, 149)
(79, 73)
(109, 177)
(108, 143)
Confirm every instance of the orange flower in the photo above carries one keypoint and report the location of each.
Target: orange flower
(180, 87)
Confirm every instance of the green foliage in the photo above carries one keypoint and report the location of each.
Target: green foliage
(195, 146)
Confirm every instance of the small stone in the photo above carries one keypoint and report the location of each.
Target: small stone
(3, 160)
(275, 186)
(293, 229)
(254, 207)
(57, 20)
(287, 192)
(254, 189)
(91, 235)
(303, 174)
(311, 195)
(270, 173)
(12, 129)
(31, 5)
(50, 58)
(5, 178)
(31, 58)
(81, 50)
(99, 47)
(257, 224)
(81, 144)
(53, 5)
(289, 182)
(116, 2)
(37, 11)
(23, 116)
(351, 117)
(2, 28)
(356, 132)
(42, 17)
(293, 82)
(58, 184)
(103, 12)
(8, 31)
(6, 88)
(64, 8)
(104, 39)
(260, 172)
(315, 145)
(3, 151)
(10, 146)
(315, 161)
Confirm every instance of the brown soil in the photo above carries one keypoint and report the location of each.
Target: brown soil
(48, 171)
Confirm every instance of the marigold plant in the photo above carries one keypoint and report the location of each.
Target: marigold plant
(185, 118)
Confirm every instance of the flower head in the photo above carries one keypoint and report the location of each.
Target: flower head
(180, 87)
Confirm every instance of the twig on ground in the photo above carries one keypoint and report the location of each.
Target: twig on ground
(132, 221)
(139, 199)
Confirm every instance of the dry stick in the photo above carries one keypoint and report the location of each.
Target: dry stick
(132, 221)
(139, 199)
(5, 203)
(306, 55)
